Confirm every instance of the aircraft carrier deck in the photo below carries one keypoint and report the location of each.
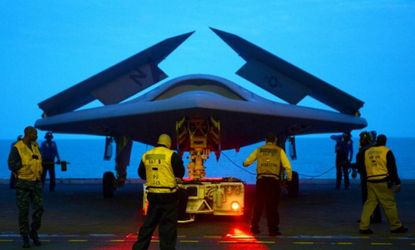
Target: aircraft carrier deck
(77, 217)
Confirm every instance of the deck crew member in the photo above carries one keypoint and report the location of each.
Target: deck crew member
(344, 155)
(366, 140)
(49, 151)
(270, 158)
(382, 175)
(160, 167)
(26, 161)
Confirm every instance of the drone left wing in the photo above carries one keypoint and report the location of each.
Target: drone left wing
(118, 82)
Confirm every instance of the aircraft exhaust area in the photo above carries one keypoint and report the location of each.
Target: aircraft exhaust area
(78, 217)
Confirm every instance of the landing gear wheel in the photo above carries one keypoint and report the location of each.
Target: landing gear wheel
(108, 184)
(293, 186)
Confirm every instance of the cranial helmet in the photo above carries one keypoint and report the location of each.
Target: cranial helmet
(49, 135)
(270, 137)
(164, 139)
(365, 137)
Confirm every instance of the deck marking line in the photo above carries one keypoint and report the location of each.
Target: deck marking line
(212, 236)
(6, 240)
(102, 235)
(265, 242)
(344, 243)
(189, 241)
(303, 242)
(228, 241)
(117, 240)
(77, 241)
(380, 243)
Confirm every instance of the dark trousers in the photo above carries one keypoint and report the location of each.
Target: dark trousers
(162, 211)
(49, 167)
(376, 216)
(12, 182)
(342, 168)
(182, 205)
(29, 193)
(267, 194)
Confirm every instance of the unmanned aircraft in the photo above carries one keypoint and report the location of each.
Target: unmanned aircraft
(204, 114)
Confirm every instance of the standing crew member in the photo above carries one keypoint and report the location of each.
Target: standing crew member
(366, 141)
(381, 176)
(344, 155)
(49, 152)
(26, 161)
(270, 158)
(160, 167)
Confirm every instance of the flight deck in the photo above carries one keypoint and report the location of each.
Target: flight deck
(78, 217)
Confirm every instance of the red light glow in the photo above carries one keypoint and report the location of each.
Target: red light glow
(237, 235)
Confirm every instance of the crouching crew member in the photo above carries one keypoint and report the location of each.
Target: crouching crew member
(381, 176)
(270, 158)
(160, 167)
(26, 161)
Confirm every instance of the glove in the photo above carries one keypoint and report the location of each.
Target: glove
(398, 188)
(354, 173)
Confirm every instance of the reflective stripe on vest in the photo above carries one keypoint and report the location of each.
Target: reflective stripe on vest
(159, 172)
(375, 162)
(31, 162)
(269, 161)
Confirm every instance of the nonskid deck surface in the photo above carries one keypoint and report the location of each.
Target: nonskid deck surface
(77, 217)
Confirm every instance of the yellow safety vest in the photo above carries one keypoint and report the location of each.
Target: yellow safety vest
(31, 162)
(269, 161)
(159, 172)
(375, 162)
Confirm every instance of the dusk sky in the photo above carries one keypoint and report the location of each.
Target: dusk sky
(365, 48)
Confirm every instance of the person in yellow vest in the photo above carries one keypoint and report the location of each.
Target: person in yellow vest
(381, 176)
(160, 167)
(366, 141)
(25, 161)
(270, 159)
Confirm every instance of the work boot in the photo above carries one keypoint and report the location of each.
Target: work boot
(26, 243)
(274, 233)
(255, 230)
(400, 230)
(35, 238)
(365, 231)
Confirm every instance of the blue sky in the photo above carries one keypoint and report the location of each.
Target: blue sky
(365, 48)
